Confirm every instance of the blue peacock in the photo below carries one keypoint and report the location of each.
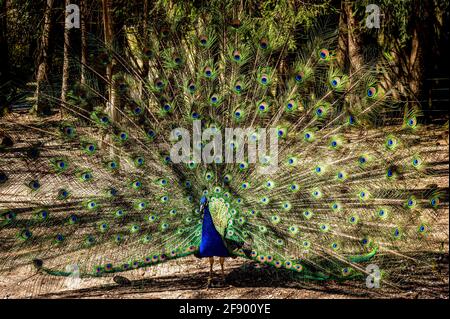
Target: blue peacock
(98, 187)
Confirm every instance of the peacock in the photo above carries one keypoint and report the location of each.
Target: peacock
(325, 171)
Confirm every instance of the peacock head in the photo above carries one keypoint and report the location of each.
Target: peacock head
(203, 203)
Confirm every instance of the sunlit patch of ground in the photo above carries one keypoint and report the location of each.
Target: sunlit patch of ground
(187, 278)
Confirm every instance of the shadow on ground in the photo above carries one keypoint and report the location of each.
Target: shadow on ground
(407, 279)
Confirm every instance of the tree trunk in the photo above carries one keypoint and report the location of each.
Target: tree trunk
(108, 30)
(145, 67)
(42, 72)
(349, 44)
(65, 75)
(349, 57)
(4, 49)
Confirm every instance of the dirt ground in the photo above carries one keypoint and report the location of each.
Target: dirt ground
(187, 278)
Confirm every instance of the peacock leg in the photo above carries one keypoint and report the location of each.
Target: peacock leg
(211, 263)
(222, 261)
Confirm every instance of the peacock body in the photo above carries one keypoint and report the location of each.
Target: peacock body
(101, 190)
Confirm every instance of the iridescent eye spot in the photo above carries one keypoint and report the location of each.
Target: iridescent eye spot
(35, 184)
(73, 219)
(323, 54)
(263, 43)
(236, 56)
(299, 77)
(371, 92)
(351, 120)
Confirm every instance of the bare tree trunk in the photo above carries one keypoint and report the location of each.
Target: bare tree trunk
(4, 50)
(145, 52)
(145, 60)
(42, 73)
(4, 55)
(65, 75)
(350, 43)
(108, 30)
(83, 11)
(349, 55)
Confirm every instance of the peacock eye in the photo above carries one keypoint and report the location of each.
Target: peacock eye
(264, 79)
(151, 133)
(203, 40)
(123, 136)
(319, 112)
(299, 77)
(351, 120)
(148, 53)
(263, 43)
(192, 87)
(177, 60)
(159, 84)
(195, 115)
(335, 82)
(236, 55)
(324, 54)
(208, 72)
(371, 92)
(34, 185)
(412, 122)
(104, 119)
